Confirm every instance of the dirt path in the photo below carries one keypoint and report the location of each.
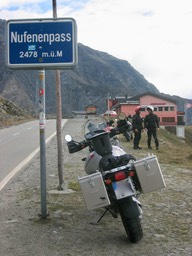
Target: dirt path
(71, 230)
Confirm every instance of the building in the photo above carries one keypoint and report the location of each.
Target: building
(91, 109)
(164, 107)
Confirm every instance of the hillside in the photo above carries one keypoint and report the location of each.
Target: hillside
(188, 134)
(173, 150)
(10, 114)
(96, 75)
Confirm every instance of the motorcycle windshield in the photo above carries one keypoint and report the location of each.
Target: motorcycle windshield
(97, 125)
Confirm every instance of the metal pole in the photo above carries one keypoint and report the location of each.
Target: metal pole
(42, 143)
(108, 105)
(59, 118)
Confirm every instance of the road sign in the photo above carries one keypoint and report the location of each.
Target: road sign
(41, 43)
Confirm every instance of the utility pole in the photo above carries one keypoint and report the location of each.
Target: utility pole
(59, 118)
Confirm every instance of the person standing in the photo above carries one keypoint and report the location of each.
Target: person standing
(137, 124)
(151, 123)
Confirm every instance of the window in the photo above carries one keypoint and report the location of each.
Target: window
(168, 119)
(166, 108)
(160, 108)
(171, 108)
(180, 120)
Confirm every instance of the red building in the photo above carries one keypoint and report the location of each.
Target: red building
(91, 109)
(164, 107)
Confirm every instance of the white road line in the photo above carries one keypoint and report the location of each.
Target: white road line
(15, 134)
(23, 163)
(18, 168)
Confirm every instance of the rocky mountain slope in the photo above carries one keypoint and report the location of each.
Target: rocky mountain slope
(11, 114)
(96, 75)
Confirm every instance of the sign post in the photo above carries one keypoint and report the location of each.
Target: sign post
(41, 44)
(44, 213)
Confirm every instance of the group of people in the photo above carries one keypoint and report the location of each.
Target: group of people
(150, 123)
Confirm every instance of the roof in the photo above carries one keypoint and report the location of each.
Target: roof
(157, 95)
(91, 105)
(134, 99)
(79, 112)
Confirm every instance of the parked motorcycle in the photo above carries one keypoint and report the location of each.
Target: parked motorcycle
(112, 181)
(106, 126)
(123, 126)
(115, 179)
(123, 122)
(128, 133)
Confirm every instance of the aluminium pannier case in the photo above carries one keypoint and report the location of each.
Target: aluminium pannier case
(94, 191)
(149, 174)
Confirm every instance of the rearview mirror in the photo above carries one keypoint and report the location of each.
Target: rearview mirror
(68, 138)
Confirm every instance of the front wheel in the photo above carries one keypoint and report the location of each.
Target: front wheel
(132, 224)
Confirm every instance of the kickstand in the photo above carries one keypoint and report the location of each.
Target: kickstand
(107, 210)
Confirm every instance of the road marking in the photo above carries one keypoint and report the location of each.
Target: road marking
(18, 168)
(25, 161)
(15, 134)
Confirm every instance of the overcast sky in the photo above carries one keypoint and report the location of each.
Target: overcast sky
(154, 36)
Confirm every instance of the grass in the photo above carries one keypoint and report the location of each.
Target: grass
(173, 150)
(188, 134)
(74, 185)
(166, 212)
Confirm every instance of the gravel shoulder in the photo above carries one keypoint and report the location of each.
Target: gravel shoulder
(71, 230)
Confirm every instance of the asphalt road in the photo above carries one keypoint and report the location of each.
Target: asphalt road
(18, 145)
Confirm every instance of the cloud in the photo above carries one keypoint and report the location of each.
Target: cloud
(12, 4)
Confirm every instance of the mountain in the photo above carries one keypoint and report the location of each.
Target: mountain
(11, 114)
(96, 75)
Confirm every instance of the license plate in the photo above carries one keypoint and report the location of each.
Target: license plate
(123, 189)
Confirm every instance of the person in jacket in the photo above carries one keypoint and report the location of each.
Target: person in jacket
(137, 125)
(151, 123)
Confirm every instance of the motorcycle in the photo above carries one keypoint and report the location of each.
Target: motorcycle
(122, 125)
(111, 182)
(107, 126)
(123, 122)
(128, 133)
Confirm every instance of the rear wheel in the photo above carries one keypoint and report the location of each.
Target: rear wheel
(133, 229)
(131, 224)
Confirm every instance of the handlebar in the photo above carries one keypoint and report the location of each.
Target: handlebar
(74, 146)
